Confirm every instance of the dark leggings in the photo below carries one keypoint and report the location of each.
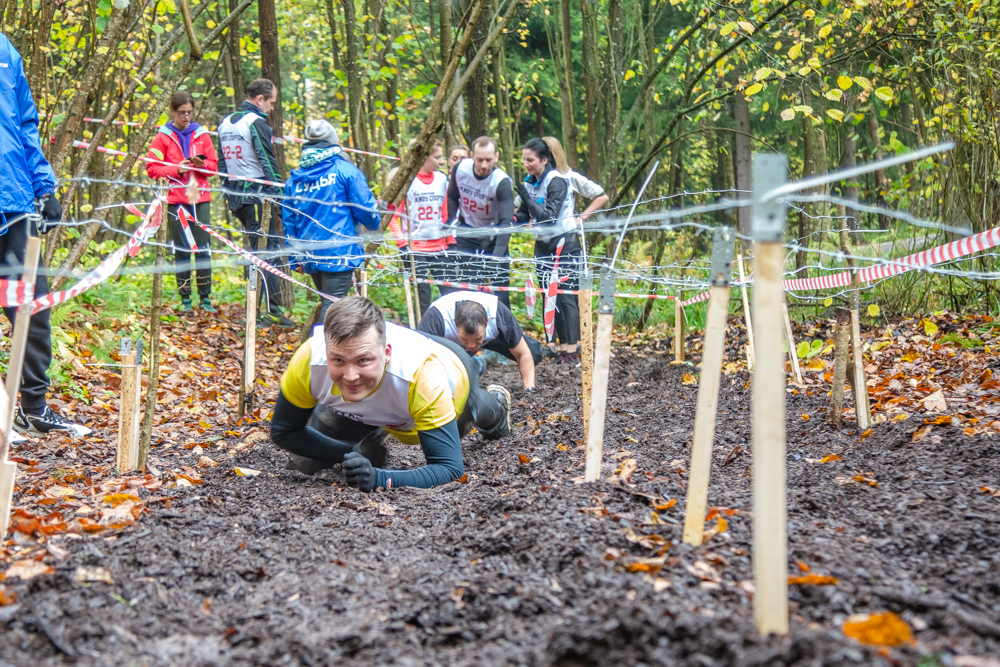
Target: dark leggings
(437, 265)
(182, 250)
(334, 283)
(567, 305)
(478, 265)
(38, 354)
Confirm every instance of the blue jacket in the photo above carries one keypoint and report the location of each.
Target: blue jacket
(322, 234)
(24, 172)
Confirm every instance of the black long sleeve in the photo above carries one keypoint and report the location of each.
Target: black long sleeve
(432, 323)
(442, 449)
(289, 431)
(453, 197)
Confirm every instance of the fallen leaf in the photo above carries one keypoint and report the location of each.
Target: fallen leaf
(648, 541)
(464, 479)
(942, 419)
(720, 511)
(864, 436)
(627, 468)
(921, 433)
(830, 457)
(689, 379)
(803, 567)
(385, 509)
(704, 571)
(935, 402)
(871, 481)
(975, 661)
(881, 629)
(59, 491)
(523, 459)
(721, 525)
(651, 565)
(206, 462)
(805, 418)
(813, 580)
(91, 574)
(246, 472)
(27, 570)
(665, 506)
(119, 498)
(7, 596)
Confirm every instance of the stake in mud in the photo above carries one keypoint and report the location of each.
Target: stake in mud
(128, 414)
(708, 386)
(770, 538)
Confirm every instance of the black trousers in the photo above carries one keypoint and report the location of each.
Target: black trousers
(249, 216)
(485, 261)
(38, 353)
(182, 250)
(437, 265)
(482, 409)
(536, 349)
(567, 319)
(334, 283)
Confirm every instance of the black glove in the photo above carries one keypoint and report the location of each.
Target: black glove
(359, 471)
(51, 212)
(537, 210)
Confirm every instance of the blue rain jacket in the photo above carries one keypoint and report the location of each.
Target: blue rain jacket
(320, 233)
(24, 172)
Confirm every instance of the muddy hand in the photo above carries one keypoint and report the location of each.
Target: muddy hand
(359, 472)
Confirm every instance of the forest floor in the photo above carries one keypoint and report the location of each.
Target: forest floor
(218, 556)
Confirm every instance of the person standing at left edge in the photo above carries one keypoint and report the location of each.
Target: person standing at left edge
(27, 176)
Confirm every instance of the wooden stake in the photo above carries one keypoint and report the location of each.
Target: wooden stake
(249, 346)
(586, 351)
(708, 387)
(842, 356)
(746, 312)
(128, 410)
(602, 370)
(793, 355)
(862, 408)
(409, 299)
(678, 329)
(15, 365)
(770, 539)
(155, 306)
(364, 283)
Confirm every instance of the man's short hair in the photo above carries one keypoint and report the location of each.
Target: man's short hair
(485, 141)
(470, 317)
(259, 87)
(351, 317)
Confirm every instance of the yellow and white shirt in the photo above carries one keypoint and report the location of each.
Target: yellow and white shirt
(424, 387)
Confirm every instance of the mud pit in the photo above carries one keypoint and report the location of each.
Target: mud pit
(506, 569)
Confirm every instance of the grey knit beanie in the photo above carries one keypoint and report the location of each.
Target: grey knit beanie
(322, 130)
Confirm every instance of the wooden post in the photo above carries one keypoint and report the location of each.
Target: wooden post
(129, 422)
(793, 355)
(708, 387)
(409, 298)
(842, 356)
(15, 364)
(586, 349)
(602, 369)
(862, 407)
(364, 283)
(770, 539)
(678, 329)
(746, 312)
(249, 346)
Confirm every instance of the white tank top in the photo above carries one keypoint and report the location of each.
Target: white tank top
(564, 219)
(389, 405)
(424, 207)
(478, 197)
(446, 306)
(237, 149)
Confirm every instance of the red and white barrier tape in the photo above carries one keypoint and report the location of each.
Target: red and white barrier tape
(276, 140)
(150, 223)
(14, 293)
(937, 255)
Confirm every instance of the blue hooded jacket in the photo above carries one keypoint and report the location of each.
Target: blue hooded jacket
(24, 171)
(321, 233)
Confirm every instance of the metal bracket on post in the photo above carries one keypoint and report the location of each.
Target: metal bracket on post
(252, 279)
(138, 353)
(767, 221)
(126, 346)
(606, 295)
(722, 257)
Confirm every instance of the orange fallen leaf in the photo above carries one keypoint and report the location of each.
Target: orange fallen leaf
(921, 433)
(464, 479)
(864, 436)
(813, 580)
(561, 447)
(246, 472)
(689, 379)
(717, 511)
(870, 480)
(805, 418)
(802, 566)
(830, 457)
(882, 629)
(27, 569)
(523, 459)
(7, 596)
(118, 498)
(942, 419)
(667, 505)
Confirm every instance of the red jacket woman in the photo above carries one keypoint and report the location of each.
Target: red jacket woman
(169, 146)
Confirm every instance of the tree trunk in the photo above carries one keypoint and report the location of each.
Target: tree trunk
(270, 68)
(445, 40)
(233, 38)
(502, 106)
(801, 256)
(355, 89)
(478, 89)
(590, 91)
(881, 182)
(850, 192)
(156, 304)
(741, 160)
(36, 69)
(612, 101)
(536, 104)
(569, 132)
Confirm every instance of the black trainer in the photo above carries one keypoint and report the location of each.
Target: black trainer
(47, 422)
(268, 319)
(502, 429)
(306, 465)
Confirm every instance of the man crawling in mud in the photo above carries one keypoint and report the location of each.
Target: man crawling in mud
(359, 379)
